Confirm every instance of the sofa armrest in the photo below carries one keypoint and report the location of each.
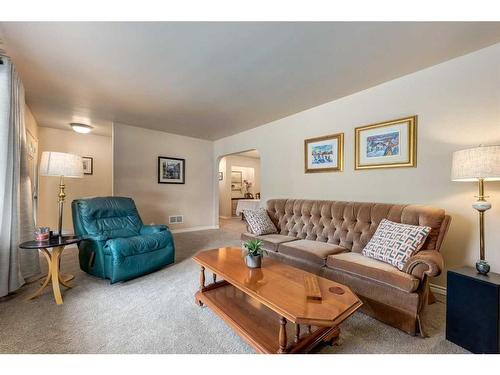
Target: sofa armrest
(425, 263)
(150, 229)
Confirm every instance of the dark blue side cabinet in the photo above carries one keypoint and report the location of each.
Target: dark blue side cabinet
(473, 310)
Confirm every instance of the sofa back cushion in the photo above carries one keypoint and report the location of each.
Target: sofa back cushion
(351, 224)
(112, 217)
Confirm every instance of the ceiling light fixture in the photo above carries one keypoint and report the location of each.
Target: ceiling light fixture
(81, 128)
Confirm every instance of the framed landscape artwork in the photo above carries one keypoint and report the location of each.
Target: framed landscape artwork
(236, 181)
(171, 170)
(324, 154)
(88, 165)
(389, 144)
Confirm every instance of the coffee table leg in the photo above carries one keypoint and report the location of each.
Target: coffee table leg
(202, 285)
(214, 276)
(282, 336)
(297, 332)
(333, 338)
(202, 278)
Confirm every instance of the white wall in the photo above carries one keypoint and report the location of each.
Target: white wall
(226, 165)
(458, 105)
(98, 184)
(136, 152)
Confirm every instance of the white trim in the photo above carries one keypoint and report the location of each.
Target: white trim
(112, 159)
(194, 229)
(438, 289)
(226, 217)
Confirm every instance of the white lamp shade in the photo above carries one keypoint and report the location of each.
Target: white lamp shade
(61, 164)
(475, 163)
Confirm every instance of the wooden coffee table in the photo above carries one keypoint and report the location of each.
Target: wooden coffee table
(259, 303)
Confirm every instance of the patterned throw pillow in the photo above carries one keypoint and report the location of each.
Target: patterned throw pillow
(395, 243)
(259, 221)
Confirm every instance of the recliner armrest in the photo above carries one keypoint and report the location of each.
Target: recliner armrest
(150, 229)
(425, 263)
(97, 238)
(93, 245)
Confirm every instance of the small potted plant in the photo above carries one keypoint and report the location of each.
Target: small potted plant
(248, 186)
(253, 258)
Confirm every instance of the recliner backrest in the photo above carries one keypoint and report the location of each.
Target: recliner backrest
(112, 217)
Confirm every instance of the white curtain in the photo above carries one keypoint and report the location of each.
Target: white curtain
(16, 209)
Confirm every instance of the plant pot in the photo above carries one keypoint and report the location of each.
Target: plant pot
(253, 261)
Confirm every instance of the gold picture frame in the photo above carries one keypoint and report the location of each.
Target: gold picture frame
(333, 157)
(392, 147)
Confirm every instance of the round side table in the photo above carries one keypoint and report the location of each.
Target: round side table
(53, 257)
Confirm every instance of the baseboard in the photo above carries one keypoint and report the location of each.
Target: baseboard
(194, 229)
(438, 289)
(225, 217)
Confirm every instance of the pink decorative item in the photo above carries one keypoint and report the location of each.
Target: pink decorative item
(42, 234)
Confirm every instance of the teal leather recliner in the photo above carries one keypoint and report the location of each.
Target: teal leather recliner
(115, 244)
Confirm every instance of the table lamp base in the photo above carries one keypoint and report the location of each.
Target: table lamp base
(482, 267)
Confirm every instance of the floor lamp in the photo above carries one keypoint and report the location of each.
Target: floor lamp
(59, 164)
(478, 164)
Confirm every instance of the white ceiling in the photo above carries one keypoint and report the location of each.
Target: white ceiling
(211, 80)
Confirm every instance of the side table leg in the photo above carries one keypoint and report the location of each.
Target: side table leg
(63, 279)
(56, 253)
(45, 282)
(64, 282)
(282, 336)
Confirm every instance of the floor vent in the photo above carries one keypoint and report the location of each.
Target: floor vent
(177, 219)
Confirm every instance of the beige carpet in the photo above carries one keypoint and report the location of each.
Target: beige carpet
(157, 314)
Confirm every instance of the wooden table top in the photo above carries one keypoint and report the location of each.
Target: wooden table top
(281, 287)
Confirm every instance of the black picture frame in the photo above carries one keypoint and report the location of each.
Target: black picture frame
(182, 170)
(91, 165)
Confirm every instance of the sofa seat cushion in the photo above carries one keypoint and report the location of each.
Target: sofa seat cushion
(312, 251)
(270, 242)
(145, 243)
(372, 269)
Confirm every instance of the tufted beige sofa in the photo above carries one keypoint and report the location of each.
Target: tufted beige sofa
(327, 237)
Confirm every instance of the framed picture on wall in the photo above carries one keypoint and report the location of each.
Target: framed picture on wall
(389, 144)
(88, 165)
(171, 170)
(236, 181)
(324, 154)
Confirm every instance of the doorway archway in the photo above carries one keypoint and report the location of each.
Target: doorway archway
(239, 187)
